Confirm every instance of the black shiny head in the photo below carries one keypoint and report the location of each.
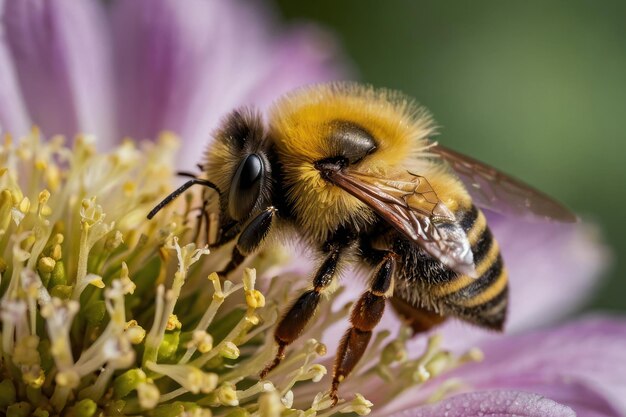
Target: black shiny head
(246, 186)
(238, 168)
(245, 172)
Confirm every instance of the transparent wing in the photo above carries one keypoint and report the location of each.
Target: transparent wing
(412, 207)
(501, 193)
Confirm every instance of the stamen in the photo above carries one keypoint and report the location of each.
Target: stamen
(92, 230)
(227, 395)
(148, 395)
(189, 377)
(134, 332)
(270, 405)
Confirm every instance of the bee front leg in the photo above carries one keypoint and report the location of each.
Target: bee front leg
(303, 309)
(202, 215)
(365, 315)
(200, 218)
(251, 237)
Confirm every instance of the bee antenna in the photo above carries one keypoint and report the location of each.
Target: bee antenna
(186, 174)
(179, 191)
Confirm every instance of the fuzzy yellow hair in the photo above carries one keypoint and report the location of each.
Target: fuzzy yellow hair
(300, 126)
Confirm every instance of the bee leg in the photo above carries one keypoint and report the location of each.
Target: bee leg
(226, 233)
(303, 309)
(212, 228)
(199, 219)
(251, 237)
(365, 315)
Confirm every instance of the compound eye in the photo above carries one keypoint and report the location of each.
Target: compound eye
(245, 187)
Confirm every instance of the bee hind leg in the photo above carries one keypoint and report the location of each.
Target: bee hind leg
(364, 317)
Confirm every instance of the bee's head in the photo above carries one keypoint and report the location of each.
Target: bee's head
(237, 163)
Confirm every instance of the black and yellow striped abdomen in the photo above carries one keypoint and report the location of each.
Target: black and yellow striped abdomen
(426, 283)
(482, 300)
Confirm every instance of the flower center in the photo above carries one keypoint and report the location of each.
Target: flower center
(105, 312)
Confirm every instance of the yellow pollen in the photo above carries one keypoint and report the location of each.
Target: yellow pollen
(173, 323)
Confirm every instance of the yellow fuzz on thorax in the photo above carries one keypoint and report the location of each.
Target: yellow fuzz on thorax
(300, 126)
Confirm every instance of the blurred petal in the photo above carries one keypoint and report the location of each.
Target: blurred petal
(301, 56)
(181, 66)
(492, 404)
(581, 365)
(582, 398)
(61, 53)
(163, 48)
(553, 268)
(13, 115)
(588, 356)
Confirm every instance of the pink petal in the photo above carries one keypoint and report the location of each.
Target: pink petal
(183, 65)
(589, 353)
(303, 55)
(13, 115)
(586, 400)
(162, 50)
(491, 404)
(61, 54)
(552, 267)
(581, 365)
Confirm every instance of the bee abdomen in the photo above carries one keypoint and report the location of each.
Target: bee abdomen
(482, 300)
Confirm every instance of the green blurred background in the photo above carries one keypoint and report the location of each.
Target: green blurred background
(536, 88)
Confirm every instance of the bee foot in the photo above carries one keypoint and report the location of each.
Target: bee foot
(268, 369)
(280, 355)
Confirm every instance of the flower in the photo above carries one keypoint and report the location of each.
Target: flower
(136, 68)
(102, 311)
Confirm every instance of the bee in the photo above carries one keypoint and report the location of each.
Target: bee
(353, 172)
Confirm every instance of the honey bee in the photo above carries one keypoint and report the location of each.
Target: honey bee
(353, 172)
